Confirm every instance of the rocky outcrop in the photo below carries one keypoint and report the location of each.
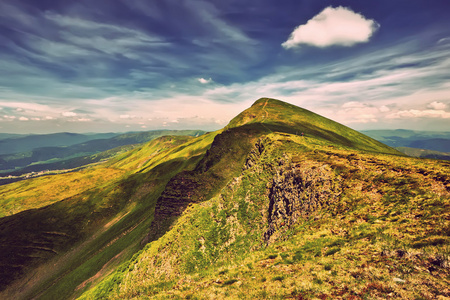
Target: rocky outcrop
(296, 191)
(254, 155)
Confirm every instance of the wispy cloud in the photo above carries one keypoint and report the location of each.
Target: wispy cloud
(416, 113)
(386, 91)
(333, 26)
(88, 63)
(69, 114)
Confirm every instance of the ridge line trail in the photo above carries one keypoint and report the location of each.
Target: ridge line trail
(266, 117)
(264, 109)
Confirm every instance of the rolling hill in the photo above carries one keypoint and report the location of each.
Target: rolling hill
(76, 155)
(423, 153)
(281, 203)
(10, 143)
(428, 140)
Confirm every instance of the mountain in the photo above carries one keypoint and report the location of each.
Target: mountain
(281, 203)
(429, 140)
(423, 153)
(442, 145)
(9, 135)
(54, 158)
(17, 144)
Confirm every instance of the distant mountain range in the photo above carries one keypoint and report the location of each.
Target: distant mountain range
(423, 153)
(10, 143)
(425, 144)
(61, 151)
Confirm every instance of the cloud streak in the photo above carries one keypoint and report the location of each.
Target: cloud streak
(139, 64)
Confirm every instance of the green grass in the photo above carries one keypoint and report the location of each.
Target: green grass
(339, 245)
(283, 117)
(99, 226)
(341, 235)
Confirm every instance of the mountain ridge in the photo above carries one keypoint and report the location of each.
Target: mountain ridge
(255, 210)
(285, 117)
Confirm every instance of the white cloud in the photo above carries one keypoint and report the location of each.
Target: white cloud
(437, 105)
(69, 114)
(443, 40)
(333, 26)
(356, 112)
(24, 105)
(384, 108)
(23, 119)
(353, 104)
(415, 113)
(84, 120)
(204, 81)
(126, 117)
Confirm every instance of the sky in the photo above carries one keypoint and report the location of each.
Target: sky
(116, 65)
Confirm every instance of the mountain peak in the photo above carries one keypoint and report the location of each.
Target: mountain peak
(278, 116)
(265, 100)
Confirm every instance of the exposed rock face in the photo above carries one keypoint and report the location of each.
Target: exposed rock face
(254, 155)
(221, 162)
(296, 191)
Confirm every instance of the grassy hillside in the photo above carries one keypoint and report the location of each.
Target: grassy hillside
(303, 221)
(302, 218)
(278, 116)
(98, 218)
(254, 211)
(75, 155)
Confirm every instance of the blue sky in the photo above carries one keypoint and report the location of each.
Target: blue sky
(110, 65)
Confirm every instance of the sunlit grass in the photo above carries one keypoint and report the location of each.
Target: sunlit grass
(389, 222)
(381, 233)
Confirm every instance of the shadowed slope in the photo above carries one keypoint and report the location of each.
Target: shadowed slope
(59, 246)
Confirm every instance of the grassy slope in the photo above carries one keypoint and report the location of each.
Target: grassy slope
(386, 235)
(54, 158)
(216, 247)
(280, 116)
(43, 191)
(99, 225)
